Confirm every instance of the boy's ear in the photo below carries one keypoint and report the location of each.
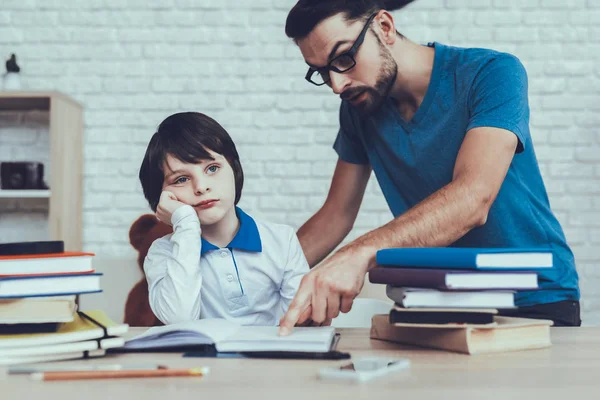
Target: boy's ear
(140, 228)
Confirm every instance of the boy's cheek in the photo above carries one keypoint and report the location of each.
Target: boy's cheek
(180, 194)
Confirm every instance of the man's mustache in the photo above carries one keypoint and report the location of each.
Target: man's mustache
(352, 92)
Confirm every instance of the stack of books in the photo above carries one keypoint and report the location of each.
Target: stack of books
(89, 334)
(440, 292)
(39, 320)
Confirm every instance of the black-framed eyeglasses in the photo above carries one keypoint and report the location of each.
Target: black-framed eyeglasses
(342, 63)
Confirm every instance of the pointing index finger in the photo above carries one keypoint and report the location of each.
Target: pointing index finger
(299, 304)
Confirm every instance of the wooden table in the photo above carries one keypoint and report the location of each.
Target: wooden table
(569, 370)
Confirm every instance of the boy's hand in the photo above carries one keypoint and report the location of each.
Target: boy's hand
(167, 205)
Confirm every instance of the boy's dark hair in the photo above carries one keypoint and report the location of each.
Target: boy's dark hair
(307, 14)
(186, 136)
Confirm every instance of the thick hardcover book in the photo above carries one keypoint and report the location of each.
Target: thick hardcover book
(446, 279)
(467, 258)
(506, 334)
(25, 248)
(46, 264)
(49, 285)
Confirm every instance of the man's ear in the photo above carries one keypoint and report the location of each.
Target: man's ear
(386, 27)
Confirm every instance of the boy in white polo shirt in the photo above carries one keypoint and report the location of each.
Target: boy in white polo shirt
(218, 262)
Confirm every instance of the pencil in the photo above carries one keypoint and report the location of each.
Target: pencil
(77, 375)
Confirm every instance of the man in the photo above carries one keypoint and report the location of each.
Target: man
(446, 131)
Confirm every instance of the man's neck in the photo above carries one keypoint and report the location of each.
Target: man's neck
(222, 233)
(415, 64)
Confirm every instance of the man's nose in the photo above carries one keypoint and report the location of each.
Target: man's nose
(338, 82)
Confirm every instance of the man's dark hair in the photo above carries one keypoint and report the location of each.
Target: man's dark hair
(307, 14)
(186, 136)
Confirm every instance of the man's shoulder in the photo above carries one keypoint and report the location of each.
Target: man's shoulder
(472, 54)
(471, 60)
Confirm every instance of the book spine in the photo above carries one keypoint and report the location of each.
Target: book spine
(435, 338)
(27, 248)
(432, 258)
(408, 278)
(440, 317)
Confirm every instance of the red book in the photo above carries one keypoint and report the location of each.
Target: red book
(44, 264)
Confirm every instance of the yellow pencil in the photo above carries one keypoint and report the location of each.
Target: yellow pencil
(75, 375)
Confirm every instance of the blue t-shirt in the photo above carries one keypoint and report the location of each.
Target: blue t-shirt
(469, 88)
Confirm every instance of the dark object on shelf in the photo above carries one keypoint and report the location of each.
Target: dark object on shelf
(11, 64)
(22, 175)
(27, 248)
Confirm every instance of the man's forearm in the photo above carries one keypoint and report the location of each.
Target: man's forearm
(321, 234)
(437, 221)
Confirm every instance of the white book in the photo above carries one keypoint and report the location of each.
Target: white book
(230, 337)
(35, 264)
(52, 357)
(431, 298)
(108, 343)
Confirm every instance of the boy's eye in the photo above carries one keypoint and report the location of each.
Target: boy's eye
(180, 180)
(213, 168)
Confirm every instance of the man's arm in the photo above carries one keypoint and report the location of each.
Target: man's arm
(451, 212)
(439, 220)
(330, 225)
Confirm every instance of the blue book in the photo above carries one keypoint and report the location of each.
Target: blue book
(466, 258)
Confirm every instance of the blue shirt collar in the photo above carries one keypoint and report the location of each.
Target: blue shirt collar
(247, 238)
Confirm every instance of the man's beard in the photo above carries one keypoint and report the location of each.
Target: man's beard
(376, 95)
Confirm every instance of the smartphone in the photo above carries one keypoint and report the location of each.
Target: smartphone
(364, 369)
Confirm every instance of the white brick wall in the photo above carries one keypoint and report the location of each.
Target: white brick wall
(132, 63)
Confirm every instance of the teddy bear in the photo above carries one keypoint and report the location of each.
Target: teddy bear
(145, 230)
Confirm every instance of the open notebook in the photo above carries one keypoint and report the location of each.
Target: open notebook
(227, 336)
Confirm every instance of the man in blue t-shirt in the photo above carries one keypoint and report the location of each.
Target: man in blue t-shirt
(446, 131)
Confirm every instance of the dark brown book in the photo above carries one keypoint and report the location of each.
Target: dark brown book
(440, 316)
(26, 248)
(446, 279)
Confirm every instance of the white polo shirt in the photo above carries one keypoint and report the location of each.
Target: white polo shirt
(251, 281)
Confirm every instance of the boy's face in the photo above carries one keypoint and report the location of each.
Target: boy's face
(208, 186)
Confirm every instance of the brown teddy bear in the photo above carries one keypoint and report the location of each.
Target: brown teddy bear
(145, 230)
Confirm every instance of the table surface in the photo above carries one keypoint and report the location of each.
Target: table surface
(571, 367)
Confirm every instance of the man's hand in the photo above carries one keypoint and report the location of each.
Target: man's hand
(167, 205)
(329, 288)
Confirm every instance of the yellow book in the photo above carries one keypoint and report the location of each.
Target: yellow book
(80, 329)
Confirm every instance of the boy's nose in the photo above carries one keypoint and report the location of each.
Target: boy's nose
(201, 187)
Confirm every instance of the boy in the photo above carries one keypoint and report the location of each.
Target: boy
(218, 262)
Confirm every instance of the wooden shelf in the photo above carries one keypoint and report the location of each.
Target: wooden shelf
(65, 208)
(24, 194)
(30, 100)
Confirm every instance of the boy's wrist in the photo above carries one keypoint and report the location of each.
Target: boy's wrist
(182, 213)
